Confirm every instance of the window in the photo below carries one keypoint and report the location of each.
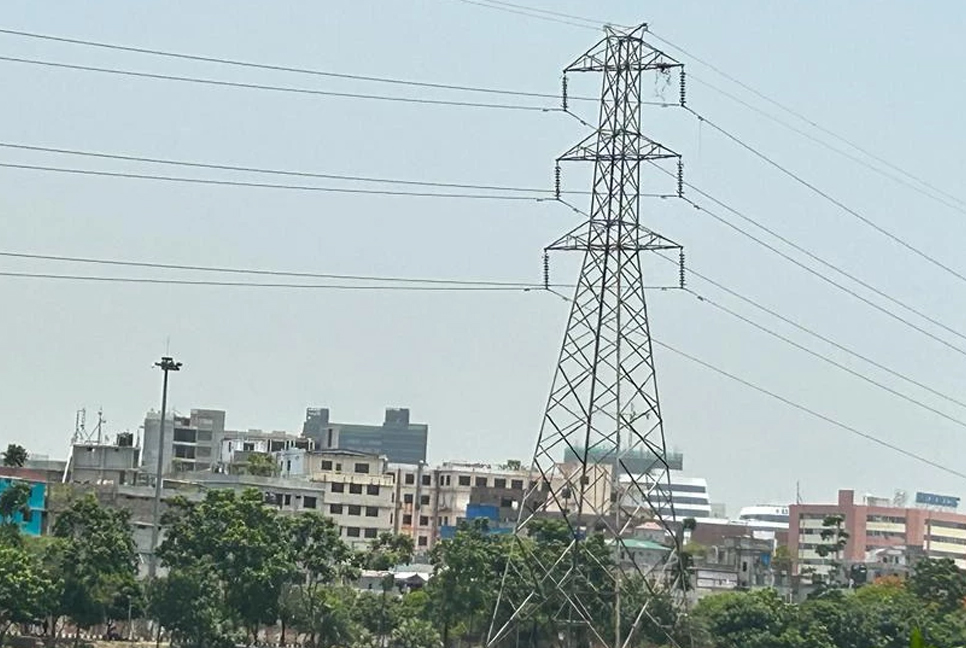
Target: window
(516, 484)
(27, 515)
(248, 447)
(481, 482)
(407, 519)
(372, 511)
(408, 498)
(423, 520)
(372, 489)
(355, 489)
(464, 480)
(184, 435)
(410, 478)
(424, 500)
(506, 502)
(371, 533)
(423, 541)
(448, 480)
(362, 468)
(427, 480)
(308, 502)
(335, 509)
(338, 467)
(326, 464)
(355, 509)
(585, 480)
(352, 532)
(288, 500)
(499, 482)
(338, 487)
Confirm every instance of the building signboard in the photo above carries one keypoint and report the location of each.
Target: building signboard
(942, 501)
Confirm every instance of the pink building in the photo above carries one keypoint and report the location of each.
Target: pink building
(873, 525)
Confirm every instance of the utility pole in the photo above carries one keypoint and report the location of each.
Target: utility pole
(603, 404)
(166, 365)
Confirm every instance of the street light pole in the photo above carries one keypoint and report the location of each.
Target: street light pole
(166, 365)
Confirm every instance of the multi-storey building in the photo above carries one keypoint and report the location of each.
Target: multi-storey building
(872, 525)
(398, 439)
(355, 489)
(683, 498)
(105, 463)
(431, 502)
(237, 447)
(764, 516)
(191, 443)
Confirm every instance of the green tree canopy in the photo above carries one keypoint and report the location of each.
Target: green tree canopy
(15, 455)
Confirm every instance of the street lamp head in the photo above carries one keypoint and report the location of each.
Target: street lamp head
(168, 364)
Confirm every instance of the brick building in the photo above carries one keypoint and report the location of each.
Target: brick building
(874, 524)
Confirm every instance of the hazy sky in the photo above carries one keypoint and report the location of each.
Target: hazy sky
(477, 366)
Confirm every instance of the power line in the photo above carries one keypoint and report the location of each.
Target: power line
(823, 417)
(591, 21)
(828, 197)
(849, 156)
(848, 142)
(827, 359)
(265, 185)
(804, 118)
(815, 272)
(281, 172)
(819, 336)
(272, 273)
(283, 68)
(275, 88)
(529, 14)
(831, 266)
(245, 284)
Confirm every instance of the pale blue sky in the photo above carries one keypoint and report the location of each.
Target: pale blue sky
(476, 367)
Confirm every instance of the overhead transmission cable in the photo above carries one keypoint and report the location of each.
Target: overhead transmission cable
(812, 412)
(811, 332)
(248, 284)
(811, 255)
(802, 408)
(798, 115)
(295, 70)
(825, 358)
(268, 185)
(269, 171)
(276, 88)
(828, 197)
(932, 193)
(948, 199)
(268, 272)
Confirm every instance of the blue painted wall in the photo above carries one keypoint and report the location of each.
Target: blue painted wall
(33, 525)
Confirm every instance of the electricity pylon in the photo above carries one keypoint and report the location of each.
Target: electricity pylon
(603, 405)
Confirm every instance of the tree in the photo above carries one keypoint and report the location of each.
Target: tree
(389, 550)
(14, 501)
(95, 560)
(939, 582)
(187, 602)
(262, 465)
(467, 571)
(25, 590)
(415, 633)
(244, 543)
(321, 559)
(834, 540)
(15, 455)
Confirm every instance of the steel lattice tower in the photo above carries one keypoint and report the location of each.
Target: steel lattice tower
(603, 406)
